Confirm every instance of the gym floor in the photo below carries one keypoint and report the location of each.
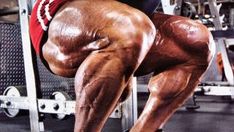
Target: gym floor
(216, 114)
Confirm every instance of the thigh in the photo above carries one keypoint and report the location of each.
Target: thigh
(92, 27)
(179, 40)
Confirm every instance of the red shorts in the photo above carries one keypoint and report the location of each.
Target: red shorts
(42, 14)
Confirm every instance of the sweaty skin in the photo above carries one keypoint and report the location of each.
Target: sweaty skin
(101, 43)
(104, 43)
(179, 56)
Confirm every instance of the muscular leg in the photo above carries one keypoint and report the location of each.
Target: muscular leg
(105, 42)
(168, 90)
(104, 73)
(99, 85)
(182, 59)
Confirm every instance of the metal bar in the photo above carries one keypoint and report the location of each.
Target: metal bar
(167, 7)
(29, 69)
(55, 107)
(217, 90)
(227, 65)
(49, 106)
(214, 83)
(231, 18)
(223, 33)
(142, 88)
(129, 108)
(14, 102)
(9, 11)
(134, 97)
(214, 9)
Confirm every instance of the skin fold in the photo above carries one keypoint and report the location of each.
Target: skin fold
(105, 43)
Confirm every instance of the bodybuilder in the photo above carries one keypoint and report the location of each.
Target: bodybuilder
(105, 43)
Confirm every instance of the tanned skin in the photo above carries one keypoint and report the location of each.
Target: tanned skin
(104, 43)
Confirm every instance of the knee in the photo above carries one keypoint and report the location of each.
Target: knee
(191, 36)
(185, 32)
